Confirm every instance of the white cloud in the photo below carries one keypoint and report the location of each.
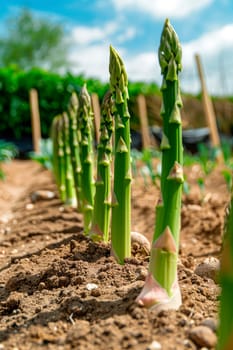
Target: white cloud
(90, 48)
(164, 8)
(143, 67)
(91, 60)
(209, 44)
(216, 50)
(86, 34)
(127, 34)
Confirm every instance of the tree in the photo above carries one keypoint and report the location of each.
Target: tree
(33, 41)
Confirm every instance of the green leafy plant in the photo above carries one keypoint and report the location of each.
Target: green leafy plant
(121, 205)
(207, 158)
(143, 165)
(226, 147)
(7, 152)
(227, 174)
(45, 157)
(161, 289)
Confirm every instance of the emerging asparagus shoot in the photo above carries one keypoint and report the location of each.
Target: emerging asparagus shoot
(74, 146)
(161, 288)
(85, 116)
(102, 203)
(121, 201)
(69, 180)
(58, 157)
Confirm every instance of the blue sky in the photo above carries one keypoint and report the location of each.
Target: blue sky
(133, 27)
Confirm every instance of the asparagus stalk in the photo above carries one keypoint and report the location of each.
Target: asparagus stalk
(69, 180)
(102, 202)
(121, 206)
(161, 288)
(54, 138)
(58, 157)
(226, 280)
(74, 146)
(85, 116)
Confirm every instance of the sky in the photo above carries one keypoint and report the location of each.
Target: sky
(133, 27)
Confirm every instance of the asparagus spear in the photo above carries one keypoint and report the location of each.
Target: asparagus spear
(85, 116)
(69, 180)
(226, 281)
(121, 210)
(161, 287)
(74, 146)
(58, 157)
(102, 202)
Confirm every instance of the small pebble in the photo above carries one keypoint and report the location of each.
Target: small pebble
(63, 281)
(194, 207)
(95, 292)
(140, 239)
(203, 336)
(154, 346)
(211, 323)
(29, 206)
(209, 268)
(91, 286)
(42, 195)
(183, 322)
(4, 219)
(41, 286)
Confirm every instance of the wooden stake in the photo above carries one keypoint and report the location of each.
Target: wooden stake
(209, 110)
(96, 110)
(146, 139)
(35, 120)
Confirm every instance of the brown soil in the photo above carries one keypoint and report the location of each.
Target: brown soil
(47, 267)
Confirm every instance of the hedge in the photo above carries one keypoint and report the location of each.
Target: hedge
(54, 91)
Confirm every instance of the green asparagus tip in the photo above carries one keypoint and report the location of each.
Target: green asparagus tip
(170, 52)
(73, 103)
(118, 76)
(74, 99)
(85, 97)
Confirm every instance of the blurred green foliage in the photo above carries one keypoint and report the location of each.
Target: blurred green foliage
(32, 40)
(54, 91)
(7, 152)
